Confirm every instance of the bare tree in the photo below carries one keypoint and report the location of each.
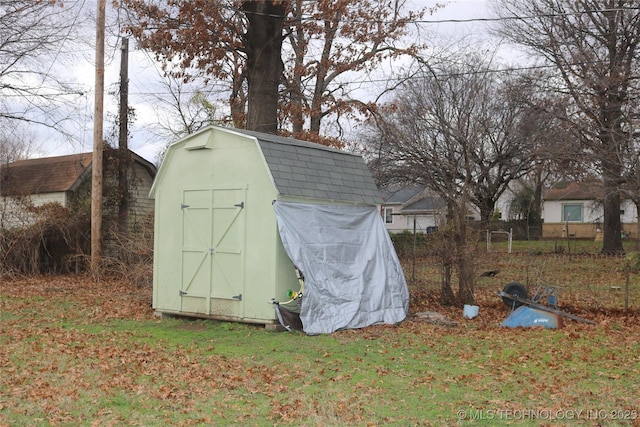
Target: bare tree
(456, 130)
(15, 144)
(185, 107)
(35, 37)
(593, 46)
(461, 132)
(555, 150)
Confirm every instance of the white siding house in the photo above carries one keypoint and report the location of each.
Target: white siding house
(576, 210)
(407, 207)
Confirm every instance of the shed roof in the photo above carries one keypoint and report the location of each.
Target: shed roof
(309, 170)
(44, 175)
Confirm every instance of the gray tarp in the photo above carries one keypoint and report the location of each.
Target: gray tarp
(353, 277)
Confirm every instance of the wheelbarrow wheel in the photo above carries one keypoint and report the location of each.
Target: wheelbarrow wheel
(517, 290)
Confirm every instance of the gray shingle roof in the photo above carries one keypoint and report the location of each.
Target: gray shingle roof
(427, 203)
(412, 198)
(400, 194)
(308, 170)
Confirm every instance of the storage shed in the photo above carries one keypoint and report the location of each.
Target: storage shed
(236, 209)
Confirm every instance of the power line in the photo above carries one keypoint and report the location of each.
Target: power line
(449, 21)
(436, 21)
(521, 18)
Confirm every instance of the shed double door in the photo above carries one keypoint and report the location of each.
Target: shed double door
(213, 224)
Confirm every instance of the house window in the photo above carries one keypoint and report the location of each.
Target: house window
(388, 215)
(572, 212)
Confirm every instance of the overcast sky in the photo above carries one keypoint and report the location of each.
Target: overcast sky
(143, 75)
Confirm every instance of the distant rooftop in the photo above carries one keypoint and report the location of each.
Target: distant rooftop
(576, 191)
(45, 175)
(50, 174)
(413, 198)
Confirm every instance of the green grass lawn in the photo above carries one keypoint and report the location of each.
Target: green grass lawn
(73, 352)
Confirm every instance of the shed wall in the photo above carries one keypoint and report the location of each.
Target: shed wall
(215, 161)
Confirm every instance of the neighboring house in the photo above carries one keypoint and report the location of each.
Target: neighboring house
(576, 210)
(411, 206)
(405, 204)
(36, 182)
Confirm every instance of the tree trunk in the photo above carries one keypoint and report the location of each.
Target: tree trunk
(447, 298)
(612, 227)
(331, 28)
(237, 103)
(124, 159)
(464, 260)
(263, 41)
(611, 177)
(457, 253)
(636, 202)
(534, 220)
(487, 207)
(299, 44)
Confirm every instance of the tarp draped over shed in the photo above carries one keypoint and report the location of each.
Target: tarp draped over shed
(353, 277)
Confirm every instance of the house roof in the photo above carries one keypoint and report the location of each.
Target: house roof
(412, 198)
(575, 191)
(400, 194)
(308, 170)
(425, 203)
(44, 175)
(50, 174)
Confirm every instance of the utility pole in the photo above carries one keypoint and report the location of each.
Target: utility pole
(96, 164)
(123, 148)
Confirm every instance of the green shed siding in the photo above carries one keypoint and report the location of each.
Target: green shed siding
(202, 266)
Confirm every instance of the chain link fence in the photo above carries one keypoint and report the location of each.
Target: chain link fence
(586, 280)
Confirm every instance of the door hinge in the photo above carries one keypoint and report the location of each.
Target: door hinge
(239, 205)
(183, 206)
(238, 297)
(182, 293)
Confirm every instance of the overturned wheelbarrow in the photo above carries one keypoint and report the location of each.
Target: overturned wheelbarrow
(539, 310)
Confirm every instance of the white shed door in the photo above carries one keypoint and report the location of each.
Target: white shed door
(213, 251)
